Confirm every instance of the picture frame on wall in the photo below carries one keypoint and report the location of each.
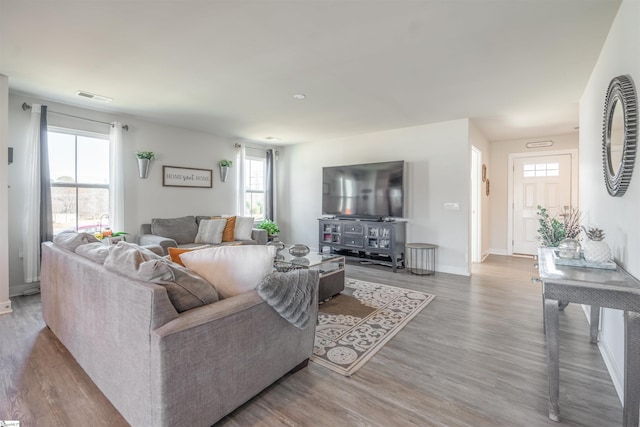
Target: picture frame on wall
(484, 172)
(175, 176)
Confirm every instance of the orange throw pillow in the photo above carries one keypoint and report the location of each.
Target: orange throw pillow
(228, 232)
(174, 253)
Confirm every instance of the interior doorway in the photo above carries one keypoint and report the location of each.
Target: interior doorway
(547, 179)
(476, 205)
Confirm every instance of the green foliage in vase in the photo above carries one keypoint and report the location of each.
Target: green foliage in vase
(149, 155)
(227, 163)
(552, 230)
(270, 226)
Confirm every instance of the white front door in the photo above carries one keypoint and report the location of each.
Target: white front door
(538, 180)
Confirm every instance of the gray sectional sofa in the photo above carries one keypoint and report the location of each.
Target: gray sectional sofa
(181, 233)
(159, 367)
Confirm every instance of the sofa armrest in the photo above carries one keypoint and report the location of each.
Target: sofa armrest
(145, 229)
(152, 239)
(260, 236)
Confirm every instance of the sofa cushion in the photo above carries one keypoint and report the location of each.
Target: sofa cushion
(210, 231)
(182, 230)
(186, 290)
(232, 270)
(174, 253)
(229, 228)
(96, 251)
(71, 239)
(125, 258)
(243, 228)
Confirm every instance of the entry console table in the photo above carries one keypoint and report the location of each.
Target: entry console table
(386, 238)
(597, 288)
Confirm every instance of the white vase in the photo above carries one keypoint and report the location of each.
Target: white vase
(596, 251)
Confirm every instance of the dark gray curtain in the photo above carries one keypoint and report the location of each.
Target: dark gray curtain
(46, 214)
(269, 185)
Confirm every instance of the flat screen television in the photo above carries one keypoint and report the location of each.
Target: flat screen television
(368, 191)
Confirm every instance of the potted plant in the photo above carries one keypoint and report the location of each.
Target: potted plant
(270, 226)
(224, 169)
(144, 159)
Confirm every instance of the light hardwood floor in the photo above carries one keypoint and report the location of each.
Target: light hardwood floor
(474, 357)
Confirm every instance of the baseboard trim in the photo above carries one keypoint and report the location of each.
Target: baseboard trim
(498, 251)
(5, 307)
(24, 289)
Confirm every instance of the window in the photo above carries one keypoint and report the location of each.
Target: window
(254, 180)
(541, 169)
(79, 172)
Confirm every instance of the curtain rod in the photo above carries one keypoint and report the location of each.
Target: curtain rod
(26, 107)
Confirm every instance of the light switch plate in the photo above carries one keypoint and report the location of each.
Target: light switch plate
(452, 206)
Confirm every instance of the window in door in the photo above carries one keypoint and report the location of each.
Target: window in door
(79, 171)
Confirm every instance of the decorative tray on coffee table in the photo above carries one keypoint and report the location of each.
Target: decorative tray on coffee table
(581, 262)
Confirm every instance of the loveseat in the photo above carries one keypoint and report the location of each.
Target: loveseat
(159, 366)
(183, 232)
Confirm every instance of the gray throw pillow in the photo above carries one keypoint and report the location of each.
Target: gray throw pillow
(70, 239)
(97, 251)
(182, 230)
(185, 288)
(125, 258)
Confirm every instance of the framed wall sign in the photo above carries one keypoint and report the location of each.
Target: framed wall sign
(173, 176)
(484, 172)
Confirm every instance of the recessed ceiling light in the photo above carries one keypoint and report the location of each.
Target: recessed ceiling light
(299, 96)
(93, 96)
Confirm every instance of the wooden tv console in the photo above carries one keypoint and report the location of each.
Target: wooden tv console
(372, 240)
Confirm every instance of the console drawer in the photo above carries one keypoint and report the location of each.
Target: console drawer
(354, 228)
(353, 242)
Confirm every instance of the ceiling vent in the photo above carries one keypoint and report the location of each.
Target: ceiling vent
(94, 96)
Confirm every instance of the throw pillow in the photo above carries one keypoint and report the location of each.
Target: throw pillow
(70, 239)
(125, 258)
(232, 270)
(186, 290)
(174, 253)
(210, 231)
(96, 251)
(182, 230)
(228, 235)
(243, 228)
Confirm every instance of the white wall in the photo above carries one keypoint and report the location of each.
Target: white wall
(618, 216)
(5, 303)
(499, 172)
(144, 198)
(479, 141)
(438, 168)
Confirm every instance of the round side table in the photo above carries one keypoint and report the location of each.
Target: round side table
(421, 258)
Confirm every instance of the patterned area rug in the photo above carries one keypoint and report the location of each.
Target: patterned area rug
(355, 324)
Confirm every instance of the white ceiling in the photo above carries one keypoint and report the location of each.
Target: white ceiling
(517, 67)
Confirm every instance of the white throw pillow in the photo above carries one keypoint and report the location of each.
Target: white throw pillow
(244, 226)
(210, 231)
(232, 270)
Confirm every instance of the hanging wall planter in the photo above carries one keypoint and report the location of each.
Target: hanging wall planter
(225, 165)
(144, 161)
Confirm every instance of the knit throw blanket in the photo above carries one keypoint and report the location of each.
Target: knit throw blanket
(291, 294)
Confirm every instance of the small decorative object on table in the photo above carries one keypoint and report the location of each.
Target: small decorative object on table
(277, 244)
(595, 248)
(569, 249)
(271, 227)
(299, 250)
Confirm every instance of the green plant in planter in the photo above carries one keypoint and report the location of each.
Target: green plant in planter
(225, 163)
(270, 226)
(149, 155)
(552, 230)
